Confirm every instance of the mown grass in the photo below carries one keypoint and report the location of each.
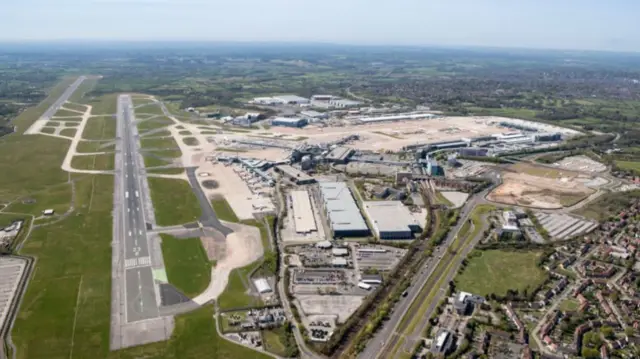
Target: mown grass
(497, 271)
(174, 202)
(100, 128)
(57, 197)
(102, 162)
(188, 267)
(49, 130)
(70, 298)
(152, 109)
(272, 341)
(30, 164)
(106, 105)
(75, 106)
(191, 141)
(69, 132)
(236, 293)
(223, 210)
(89, 146)
(160, 142)
(194, 337)
(66, 113)
(628, 166)
(154, 123)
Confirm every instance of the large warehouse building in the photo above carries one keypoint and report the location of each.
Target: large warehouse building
(342, 211)
(303, 219)
(391, 220)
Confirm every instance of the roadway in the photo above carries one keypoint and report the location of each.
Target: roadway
(381, 340)
(140, 292)
(51, 111)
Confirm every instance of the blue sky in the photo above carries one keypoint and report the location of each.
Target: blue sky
(553, 24)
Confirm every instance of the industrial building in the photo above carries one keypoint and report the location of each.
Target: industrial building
(313, 114)
(342, 211)
(326, 98)
(473, 151)
(443, 343)
(391, 220)
(411, 116)
(434, 169)
(289, 122)
(292, 99)
(543, 137)
(294, 174)
(262, 285)
(303, 219)
(343, 103)
(339, 155)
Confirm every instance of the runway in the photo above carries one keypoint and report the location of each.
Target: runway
(51, 111)
(140, 291)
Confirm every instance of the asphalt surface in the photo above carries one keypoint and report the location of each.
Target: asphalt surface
(208, 218)
(62, 99)
(381, 340)
(140, 291)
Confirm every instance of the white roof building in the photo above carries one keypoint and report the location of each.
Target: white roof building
(262, 285)
(303, 219)
(340, 252)
(391, 219)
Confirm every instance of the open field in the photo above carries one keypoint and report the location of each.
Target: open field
(79, 96)
(100, 128)
(67, 302)
(76, 106)
(540, 187)
(273, 341)
(495, 271)
(160, 142)
(610, 204)
(194, 336)
(104, 162)
(90, 146)
(106, 105)
(31, 114)
(150, 109)
(166, 171)
(57, 197)
(174, 202)
(187, 265)
(64, 113)
(70, 132)
(48, 130)
(236, 294)
(30, 164)
(191, 141)
(223, 210)
(569, 305)
(154, 123)
(628, 165)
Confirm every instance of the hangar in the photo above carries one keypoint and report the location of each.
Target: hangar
(342, 211)
(391, 220)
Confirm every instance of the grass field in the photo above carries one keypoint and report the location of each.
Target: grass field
(496, 271)
(106, 105)
(30, 115)
(66, 113)
(160, 142)
(188, 267)
(76, 106)
(194, 337)
(167, 171)
(90, 146)
(569, 305)
(30, 164)
(628, 165)
(57, 197)
(154, 123)
(49, 130)
(540, 171)
(152, 109)
(100, 128)
(67, 302)
(70, 132)
(609, 204)
(174, 202)
(156, 134)
(272, 340)
(79, 95)
(235, 294)
(104, 162)
(223, 210)
(191, 141)
(69, 119)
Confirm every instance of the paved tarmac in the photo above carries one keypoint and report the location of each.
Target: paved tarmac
(62, 99)
(140, 292)
(208, 218)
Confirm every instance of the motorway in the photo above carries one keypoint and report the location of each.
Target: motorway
(387, 337)
(62, 99)
(140, 292)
